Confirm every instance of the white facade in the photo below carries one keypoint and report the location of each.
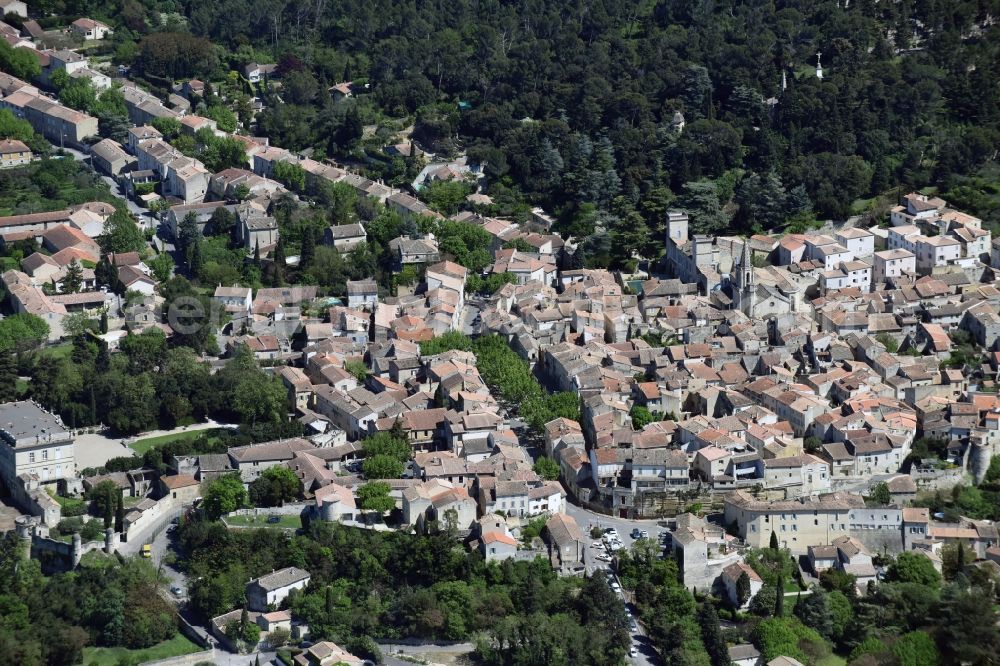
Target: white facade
(860, 242)
(936, 251)
(893, 263)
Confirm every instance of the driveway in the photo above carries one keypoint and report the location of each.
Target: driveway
(95, 449)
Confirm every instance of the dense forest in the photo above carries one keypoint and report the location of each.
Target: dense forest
(571, 105)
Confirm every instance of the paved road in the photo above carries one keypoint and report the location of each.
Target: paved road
(586, 519)
(148, 534)
(470, 314)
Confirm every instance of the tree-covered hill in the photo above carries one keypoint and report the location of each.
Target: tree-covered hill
(572, 102)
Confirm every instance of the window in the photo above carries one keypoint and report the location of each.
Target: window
(45, 454)
(31, 457)
(784, 528)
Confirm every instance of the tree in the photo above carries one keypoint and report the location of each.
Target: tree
(76, 324)
(120, 513)
(223, 117)
(73, 279)
(12, 127)
(188, 232)
(814, 612)
(879, 494)
(162, 266)
(19, 62)
(968, 631)
(954, 558)
(8, 377)
(224, 495)
(392, 444)
(890, 343)
(743, 589)
(382, 467)
(641, 417)
(916, 648)
(274, 487)
(547, 468)
(103, 498)
(375, 498)
(103, 325)
(711, 635)
(22, 331)
(788, 637)
(779, 596)
(912, 567)
(121, 233)
(167, 126)
(261, 399)
(773, 545)
(175, 55)
(701, 201)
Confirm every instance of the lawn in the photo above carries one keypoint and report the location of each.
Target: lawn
(140, 446)
(175, 647)
(285, 522)
(58, 351)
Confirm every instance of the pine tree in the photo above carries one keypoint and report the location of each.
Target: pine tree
(74, 277)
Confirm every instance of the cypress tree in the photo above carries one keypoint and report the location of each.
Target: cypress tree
(108, 511)
(779, 598)
(774, 541)
(120, 514)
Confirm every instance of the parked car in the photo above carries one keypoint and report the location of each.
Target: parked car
(147, 550)
(636, 533)
(632, 652)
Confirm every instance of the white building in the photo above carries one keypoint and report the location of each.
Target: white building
(272, 589)
(936, 251)
(893, 263)
(860, 242)
(34, 441)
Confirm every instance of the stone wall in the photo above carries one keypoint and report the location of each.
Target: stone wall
(296, 509)
(940, 479)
